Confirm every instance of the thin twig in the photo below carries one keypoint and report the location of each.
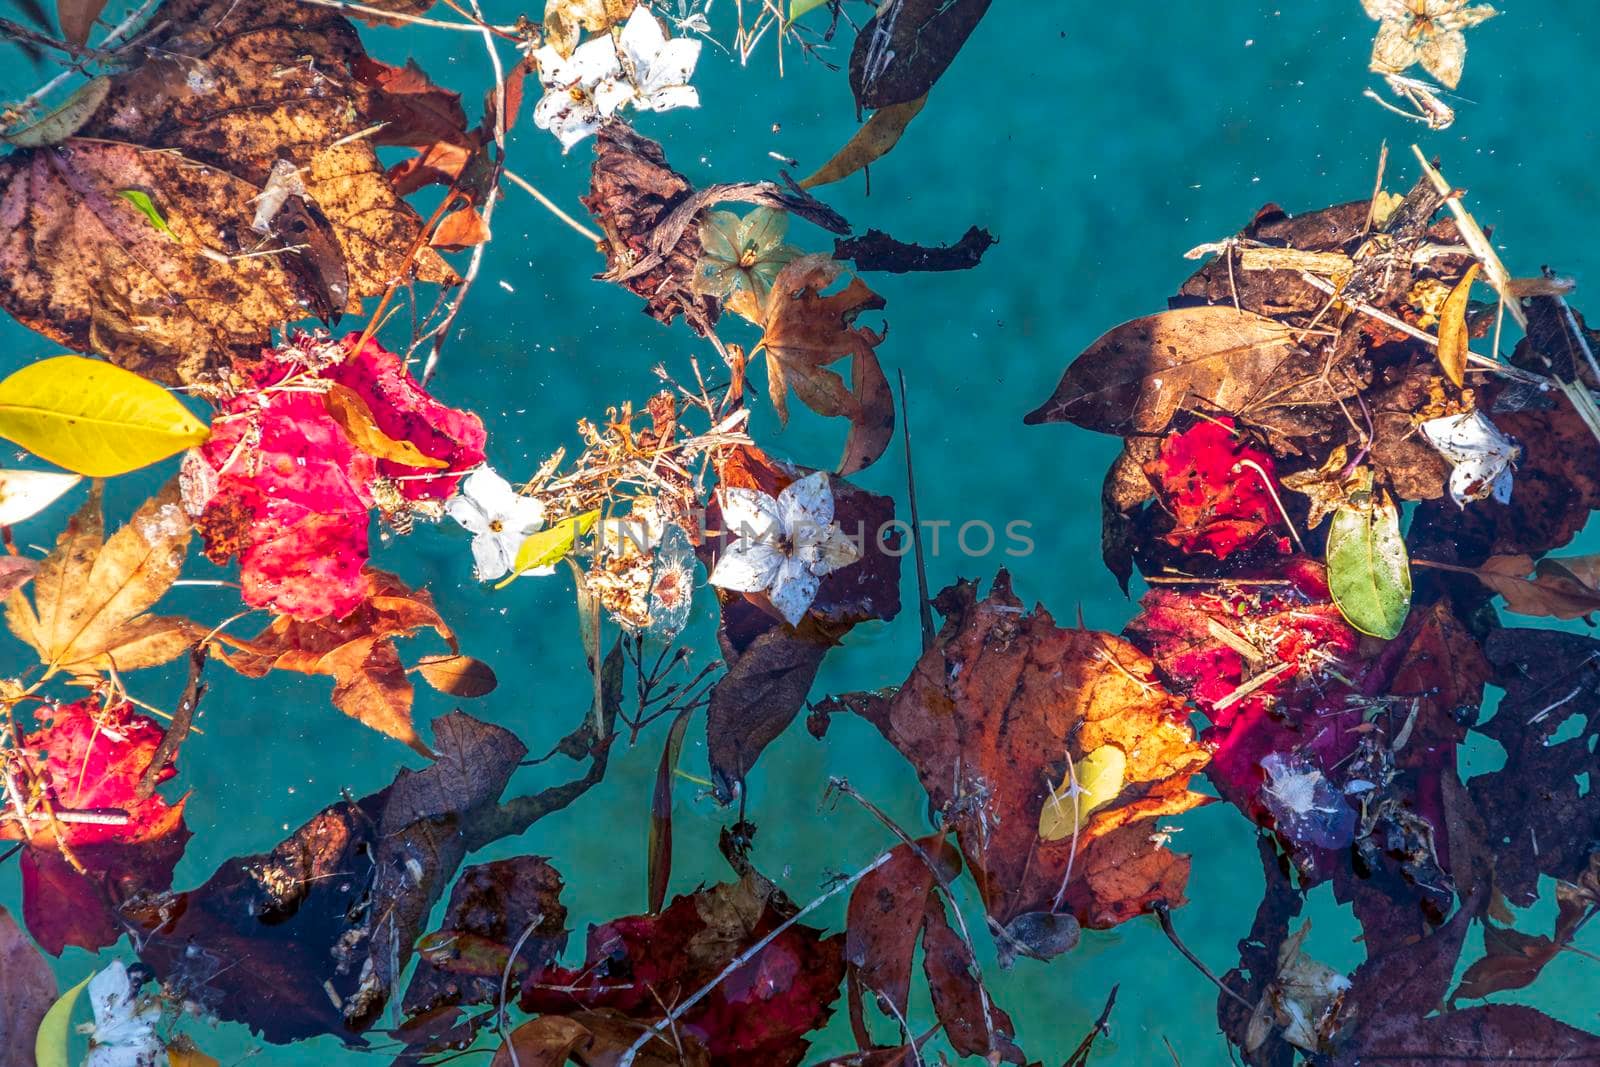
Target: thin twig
(745, 957)
(550, 205)
(415, 20)
(1164, 915)
(924, 611)
(505, 985)
(182, 720)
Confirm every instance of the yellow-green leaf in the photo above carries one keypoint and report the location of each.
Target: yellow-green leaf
(50, 1047)
(1098, 777)
(93, 418)
(148, 209)
(550, 545)
(871, 142)
(802, 7)
(1369, 571)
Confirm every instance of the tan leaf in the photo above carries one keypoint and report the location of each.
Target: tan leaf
(871, 142)
(1453, 338)
(77, 18)
(1559, 588)
(225, 92)
(91, 593)
(460, 676)
(1135, 378)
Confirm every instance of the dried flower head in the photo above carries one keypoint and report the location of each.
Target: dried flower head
(1424, 31)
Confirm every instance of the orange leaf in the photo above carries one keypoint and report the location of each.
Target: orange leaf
(1453, 337)
(347, 408)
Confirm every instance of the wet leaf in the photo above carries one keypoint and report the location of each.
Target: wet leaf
(552, 544)
(148, 209)
(27, 990)
(886, 917)
(806, 332)
(1135, 378)
(658, 847)
(458, 675)
(23, 494)
(1005, 696)
(312, 937)
(547, 1041)
(50, 1048)
(93, 418)
(1088, 787)
(77, 18)
(357, 651)
(92, 596)
(1217, 487)
(491, 907)
(15, 571)
(871, 142)
(91, 758)
(1369, 572)
(974, 1023)
(876, 250)
(361, 428)
(65, 119)
(904, 49)
(1453, 336)
(282, 487)
(1558, 589)
(763, 691)
(197, 128)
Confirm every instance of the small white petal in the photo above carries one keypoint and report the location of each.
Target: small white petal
(522, 516)
(611, 95)
(673, 96)
(594, 61)
(461, 508)
(793, 591)
(747, 566)
(1502, 486)
(750, 514)
(828, 553)
(487, 489)
(490, 558)
(641, 40)
(807, 502)
(673, 65)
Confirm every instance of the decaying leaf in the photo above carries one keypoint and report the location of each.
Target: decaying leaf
(88, 757)
(805, 332)
(92, 596)
(197, 128)
(312, 937)
(357, 651)
(876, 250)
(1559, 588)
(871, 142)
(989, 718)
(27, 989)
(1135, 378)
(1453, 336)
(905, 47)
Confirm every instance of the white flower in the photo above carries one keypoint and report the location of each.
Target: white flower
(580, 92)
(123, 1033)
(658, 67)
(784, 546)
(1482, 455)
(499, 518)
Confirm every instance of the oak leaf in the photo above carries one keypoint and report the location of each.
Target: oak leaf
(92, 595)
(224, 94)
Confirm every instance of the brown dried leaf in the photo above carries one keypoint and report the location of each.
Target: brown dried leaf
(91, 594)
(1559, 588)
(460, 676)
(77, 18)
(347, 408)
(27, 989)
(871, 142)
(225, 94)
(1135, 378)
(903, 50)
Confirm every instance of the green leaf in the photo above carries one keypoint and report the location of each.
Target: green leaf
(94, 418)
(1099, 777)
(147, 208)
(550, 545)
(1369, 572)
(802, 7)
(50, 1047)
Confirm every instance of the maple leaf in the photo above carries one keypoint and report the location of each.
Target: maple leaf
(1216, 488)
(760, 1014)
(312, 937)
(286, 487)
(357, 650)
(805, 332)
(196, 130)
(91, 758)
(92, 594)
(990, 718)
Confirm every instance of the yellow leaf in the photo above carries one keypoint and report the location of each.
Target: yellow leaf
(1098, 777)
(358, 424)
(551, 545)
(1453, 337)
(93, 418)
(50, 1047)
(871, 142)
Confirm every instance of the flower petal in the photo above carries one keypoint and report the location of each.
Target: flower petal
(523, 515)
(491, 556)
(461, 508)
(641, 41)
(717, 235)
(673, 66)
(764, 229)
(829, 552)
(669, 98)
(1392, 50)
(793, 591)
(595, 61)
(747, 566)
(807, 502)
(1443, 56)
(751, 515)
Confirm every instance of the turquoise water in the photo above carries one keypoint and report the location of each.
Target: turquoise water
(1098, 142)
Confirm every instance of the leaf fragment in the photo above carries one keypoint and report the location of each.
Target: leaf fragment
(147, 207)
(93, 418)
(66, 119)
(50, 1048)
(550, 545)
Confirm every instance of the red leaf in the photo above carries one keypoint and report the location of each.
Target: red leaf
(1207, 479)
(90, 759)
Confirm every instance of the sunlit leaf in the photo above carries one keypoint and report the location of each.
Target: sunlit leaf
(1098, 778)
(23, 494)
(871, 142)
(93, 418)
(1369, 571)
(552, 544)
(1453, 337)
(359, 424)
(50, 1048)
(148, 209)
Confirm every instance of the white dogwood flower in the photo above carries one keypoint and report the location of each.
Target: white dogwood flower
(499, 519)
(580, 92)
(659, 67)
(782, 546)
(123, 1033)
(1481, 454)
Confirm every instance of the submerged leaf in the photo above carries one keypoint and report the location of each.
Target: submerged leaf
(1369, 572)
(27, 990)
